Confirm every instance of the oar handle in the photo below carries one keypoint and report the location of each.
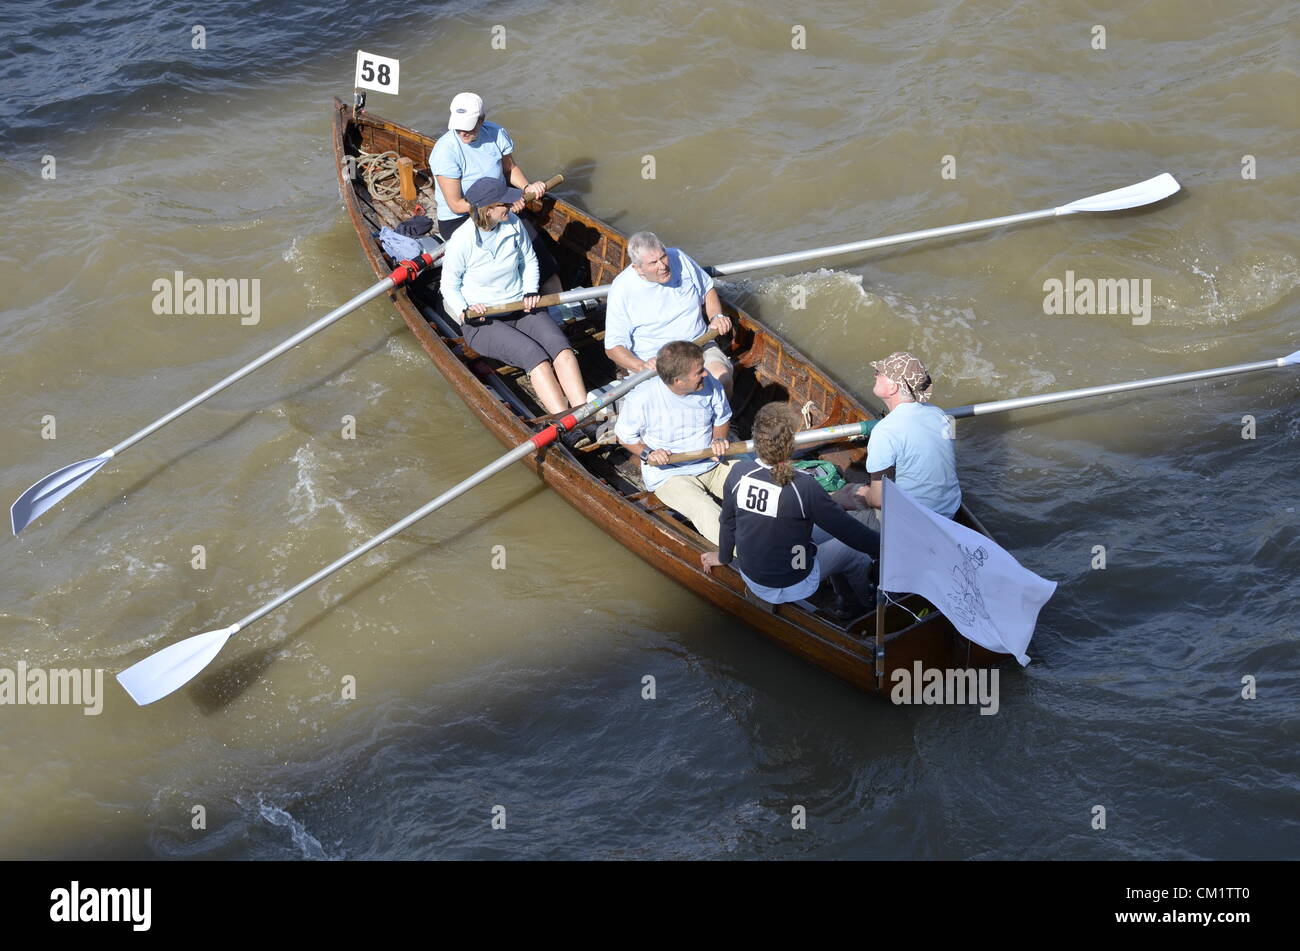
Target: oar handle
(808, 438)
(608, 398)
(551, 182)
(546, 300)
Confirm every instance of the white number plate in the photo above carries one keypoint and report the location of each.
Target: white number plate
(376, 72)
(754, 495)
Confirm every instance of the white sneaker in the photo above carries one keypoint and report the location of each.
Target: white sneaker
(606, 412)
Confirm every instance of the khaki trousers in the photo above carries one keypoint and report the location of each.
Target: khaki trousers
(693, 496)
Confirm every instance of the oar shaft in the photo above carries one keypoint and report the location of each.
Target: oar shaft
(537, 442)
(1133, 196)
(482, 475)
(849, 430)
(364, 297)
(980, 409)
(795, 257)
(806, 438)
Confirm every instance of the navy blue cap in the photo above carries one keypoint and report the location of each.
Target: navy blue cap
(492, 191)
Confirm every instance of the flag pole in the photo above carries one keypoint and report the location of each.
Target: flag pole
(880, 598)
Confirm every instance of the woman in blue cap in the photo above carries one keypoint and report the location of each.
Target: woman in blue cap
(491, 261)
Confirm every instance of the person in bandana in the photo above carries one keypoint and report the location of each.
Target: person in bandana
(913, 444)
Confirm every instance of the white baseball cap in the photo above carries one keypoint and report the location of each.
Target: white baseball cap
(466, 110)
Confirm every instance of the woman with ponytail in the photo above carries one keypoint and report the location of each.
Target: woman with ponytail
(786, 531)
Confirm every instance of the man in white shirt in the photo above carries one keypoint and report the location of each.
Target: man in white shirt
(681, 410)
(913, 444)
(662, 296)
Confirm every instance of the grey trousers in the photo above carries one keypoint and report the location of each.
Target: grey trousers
(847, 567)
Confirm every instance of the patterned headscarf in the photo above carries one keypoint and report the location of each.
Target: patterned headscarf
(908, 372)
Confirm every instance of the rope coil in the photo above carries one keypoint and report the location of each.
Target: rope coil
(379, 172)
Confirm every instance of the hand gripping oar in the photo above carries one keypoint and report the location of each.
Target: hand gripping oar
(551, 183)
(58, 485)
(172, 667)
(1132, 196)
(849, 430)
(808, 437)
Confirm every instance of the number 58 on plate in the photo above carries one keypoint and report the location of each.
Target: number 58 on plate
(376, 72)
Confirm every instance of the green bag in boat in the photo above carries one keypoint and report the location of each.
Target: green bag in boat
(826, 473)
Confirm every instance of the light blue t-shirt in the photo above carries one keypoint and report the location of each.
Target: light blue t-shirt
(658, 417)
(914, 439)
(643, 316)
(452, 158)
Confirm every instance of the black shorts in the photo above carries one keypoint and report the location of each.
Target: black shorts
(448, 225)
(519, 339)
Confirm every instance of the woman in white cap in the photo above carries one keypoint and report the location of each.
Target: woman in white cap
(473, 148)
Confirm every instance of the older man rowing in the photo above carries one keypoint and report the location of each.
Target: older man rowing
(684, 409)
(660, 297)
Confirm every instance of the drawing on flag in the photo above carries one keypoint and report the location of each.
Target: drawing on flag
(988, 595)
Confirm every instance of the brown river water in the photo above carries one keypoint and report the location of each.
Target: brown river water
(522, 687)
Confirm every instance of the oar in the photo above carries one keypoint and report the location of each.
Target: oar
(172, 667)
(58, 485)
(1132, 196)
(808, 437)
(849, 430)
(1020, 402)
(551, 183)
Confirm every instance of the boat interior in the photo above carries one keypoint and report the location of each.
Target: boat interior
(766, 369)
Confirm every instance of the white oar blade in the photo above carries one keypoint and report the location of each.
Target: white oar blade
(1291, 359)
(172, 667)
(50, 490)
(1133, 196)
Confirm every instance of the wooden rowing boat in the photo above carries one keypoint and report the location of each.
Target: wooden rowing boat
(603, 482)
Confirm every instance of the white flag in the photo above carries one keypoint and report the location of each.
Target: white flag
(988, 595)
